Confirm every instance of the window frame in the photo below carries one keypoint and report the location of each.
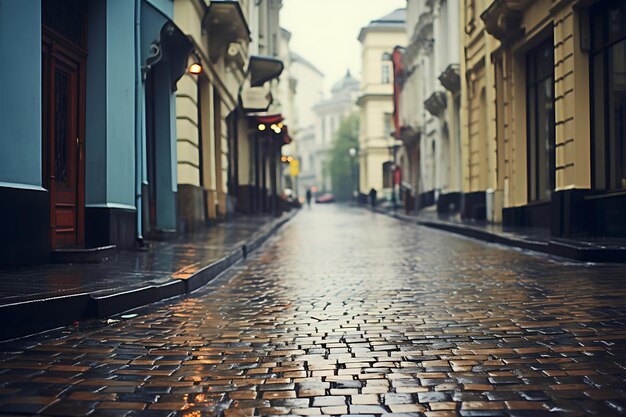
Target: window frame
(600, 53)
(534, 142)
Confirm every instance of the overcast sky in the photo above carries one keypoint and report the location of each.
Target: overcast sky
(325, 31)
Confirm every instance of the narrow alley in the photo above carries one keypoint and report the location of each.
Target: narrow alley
(346, 311)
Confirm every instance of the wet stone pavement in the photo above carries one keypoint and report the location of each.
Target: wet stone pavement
(349, 312)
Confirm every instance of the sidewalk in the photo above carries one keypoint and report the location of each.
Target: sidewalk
(583, 249)
(47, 296)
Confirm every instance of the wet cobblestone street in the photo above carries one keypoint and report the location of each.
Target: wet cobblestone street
(349, 312)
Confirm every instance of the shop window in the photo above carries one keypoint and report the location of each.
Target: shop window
(608, 95)
(540, 121)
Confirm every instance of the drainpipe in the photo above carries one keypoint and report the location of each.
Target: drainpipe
(138, 124)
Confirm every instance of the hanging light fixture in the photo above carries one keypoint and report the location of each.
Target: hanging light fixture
(196, 66)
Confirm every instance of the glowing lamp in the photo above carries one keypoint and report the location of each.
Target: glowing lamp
(261, 127)
(195, 68)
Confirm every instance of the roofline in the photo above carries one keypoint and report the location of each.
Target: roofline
(295, 57)
(394, 28)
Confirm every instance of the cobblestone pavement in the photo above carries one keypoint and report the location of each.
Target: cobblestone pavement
(349, 312)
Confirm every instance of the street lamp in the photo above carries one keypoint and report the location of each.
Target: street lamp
(352, 153)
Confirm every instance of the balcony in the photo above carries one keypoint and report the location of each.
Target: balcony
(226, 24)
(450, 78)
(503, 18)
(436, 103)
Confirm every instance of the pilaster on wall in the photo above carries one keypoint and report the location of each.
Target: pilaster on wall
(187, 142)
(572, 110)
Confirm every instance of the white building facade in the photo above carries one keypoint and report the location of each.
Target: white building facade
(378, 40)
(308, 83)
(329, 113)
(429, 104)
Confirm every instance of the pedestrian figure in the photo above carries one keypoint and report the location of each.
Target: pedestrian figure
(308, 197)
(373, 198)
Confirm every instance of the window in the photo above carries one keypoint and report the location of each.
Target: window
(540, 120)
(608, 95)
(385, 78)
(387, 123)
(386, 69)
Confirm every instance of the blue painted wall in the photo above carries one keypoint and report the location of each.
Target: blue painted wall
(154, 14)
(20, 92)
(96, 121)
(164, 6)
(121, 102)
(110, 137)
(165, 130)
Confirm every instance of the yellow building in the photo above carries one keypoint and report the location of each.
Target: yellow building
(478, 136)
(544, 105)
(205, 106)
(233, 63)
(378, 40)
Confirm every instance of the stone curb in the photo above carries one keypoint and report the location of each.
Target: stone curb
(565, 249)
(28, 317)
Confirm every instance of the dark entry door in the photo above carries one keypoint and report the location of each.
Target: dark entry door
(63, 118)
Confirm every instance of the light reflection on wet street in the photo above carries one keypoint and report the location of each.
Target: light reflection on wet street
(349, 312)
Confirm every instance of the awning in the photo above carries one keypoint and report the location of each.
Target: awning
(277, 118)
(254, 94)
(225, 22)
(273, 127)
(226, 18)
(263, 69)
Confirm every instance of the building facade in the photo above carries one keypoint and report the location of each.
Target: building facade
(427, 106)
(207, 106)
(136, 122)
(308, 83)
(215, 165)
(87, 158)
(376, 141)
(556, 89)
(329, 113)
(266, 101)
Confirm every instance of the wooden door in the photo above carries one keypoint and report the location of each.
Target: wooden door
(63, 130)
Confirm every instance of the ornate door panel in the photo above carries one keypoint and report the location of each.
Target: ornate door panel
(63, 142)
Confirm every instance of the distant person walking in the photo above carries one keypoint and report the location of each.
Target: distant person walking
(308, 197)
(373, 198)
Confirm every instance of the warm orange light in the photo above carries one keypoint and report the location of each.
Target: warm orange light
(280, 125)
(290, 158)
(314, 189)
(195, 68)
